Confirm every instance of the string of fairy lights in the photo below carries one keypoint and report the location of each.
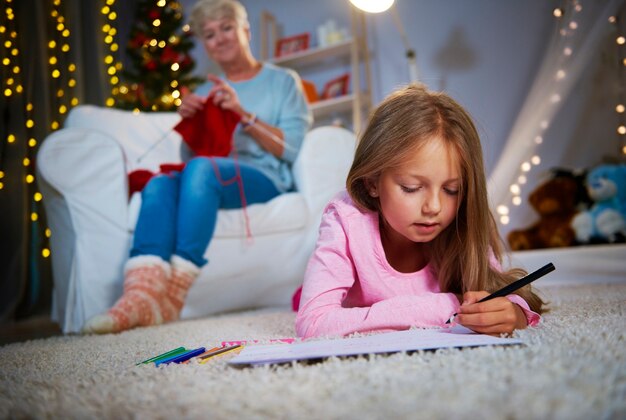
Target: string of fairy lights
(61, 67)
(567, 28)
(620, 106)
(62, 81)
(114, 66)
(13, 91)
(11, 84)
(156, 47)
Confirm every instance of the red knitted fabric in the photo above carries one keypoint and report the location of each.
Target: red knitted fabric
(208, 133)
(138, 179)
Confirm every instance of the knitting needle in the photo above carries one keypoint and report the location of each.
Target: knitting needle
(265, 131)
(155, 144)
(274, 137)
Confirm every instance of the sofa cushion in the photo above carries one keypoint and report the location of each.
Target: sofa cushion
(285, 213)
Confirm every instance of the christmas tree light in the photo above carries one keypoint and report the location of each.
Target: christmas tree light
(159, 49)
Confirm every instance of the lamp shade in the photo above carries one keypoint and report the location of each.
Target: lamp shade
(372, 6)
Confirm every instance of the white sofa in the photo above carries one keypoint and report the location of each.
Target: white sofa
(82, 173)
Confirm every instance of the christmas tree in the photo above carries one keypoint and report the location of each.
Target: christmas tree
(158, 48)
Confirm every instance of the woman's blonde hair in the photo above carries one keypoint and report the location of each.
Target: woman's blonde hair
(399, 126)
(204, 10)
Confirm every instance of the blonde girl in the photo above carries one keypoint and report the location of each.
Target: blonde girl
(412, 240)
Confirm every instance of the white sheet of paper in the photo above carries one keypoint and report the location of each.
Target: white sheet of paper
(409, 340)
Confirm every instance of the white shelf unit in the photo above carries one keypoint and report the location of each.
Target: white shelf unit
(326, 107)
(314, 55)
(357, 101)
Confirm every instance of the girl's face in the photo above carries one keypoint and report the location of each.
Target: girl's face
(419, 198)
(224, 40)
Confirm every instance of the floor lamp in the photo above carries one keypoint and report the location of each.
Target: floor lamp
(379, 6)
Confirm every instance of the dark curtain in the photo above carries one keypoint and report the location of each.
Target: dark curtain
(30, 27)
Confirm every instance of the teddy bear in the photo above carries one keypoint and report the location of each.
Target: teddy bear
(556, 200)
(605, 221)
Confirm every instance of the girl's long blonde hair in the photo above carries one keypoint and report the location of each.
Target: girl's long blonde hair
(398, 127)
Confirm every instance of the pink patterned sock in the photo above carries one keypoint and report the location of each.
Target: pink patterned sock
(184, 273)
(144, 301)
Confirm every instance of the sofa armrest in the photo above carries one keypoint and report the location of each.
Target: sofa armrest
(83, 178)
(322, 166)
(87, 167)
(147, 139)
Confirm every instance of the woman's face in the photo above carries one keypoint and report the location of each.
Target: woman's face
(224, 40)
(419, 198)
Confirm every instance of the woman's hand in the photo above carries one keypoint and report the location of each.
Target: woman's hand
(494, 317)
(268, 137)
(190, 103)
(223, 95)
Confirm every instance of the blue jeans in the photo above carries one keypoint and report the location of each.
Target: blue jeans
(179, 210)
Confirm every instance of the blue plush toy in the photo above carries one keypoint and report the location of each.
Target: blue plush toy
(606, 219)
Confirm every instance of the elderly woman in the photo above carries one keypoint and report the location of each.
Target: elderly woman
(179, 210)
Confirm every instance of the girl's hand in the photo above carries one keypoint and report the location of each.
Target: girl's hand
(191, 103)
(494, 317)
(223, 95)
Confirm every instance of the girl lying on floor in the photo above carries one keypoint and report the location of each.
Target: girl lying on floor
(412, 240)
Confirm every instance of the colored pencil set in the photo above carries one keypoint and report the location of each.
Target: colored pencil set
(183, 355)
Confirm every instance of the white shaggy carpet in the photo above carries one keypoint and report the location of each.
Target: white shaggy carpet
(573, 366)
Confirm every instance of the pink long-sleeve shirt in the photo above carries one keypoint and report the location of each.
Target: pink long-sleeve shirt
(350, 287)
